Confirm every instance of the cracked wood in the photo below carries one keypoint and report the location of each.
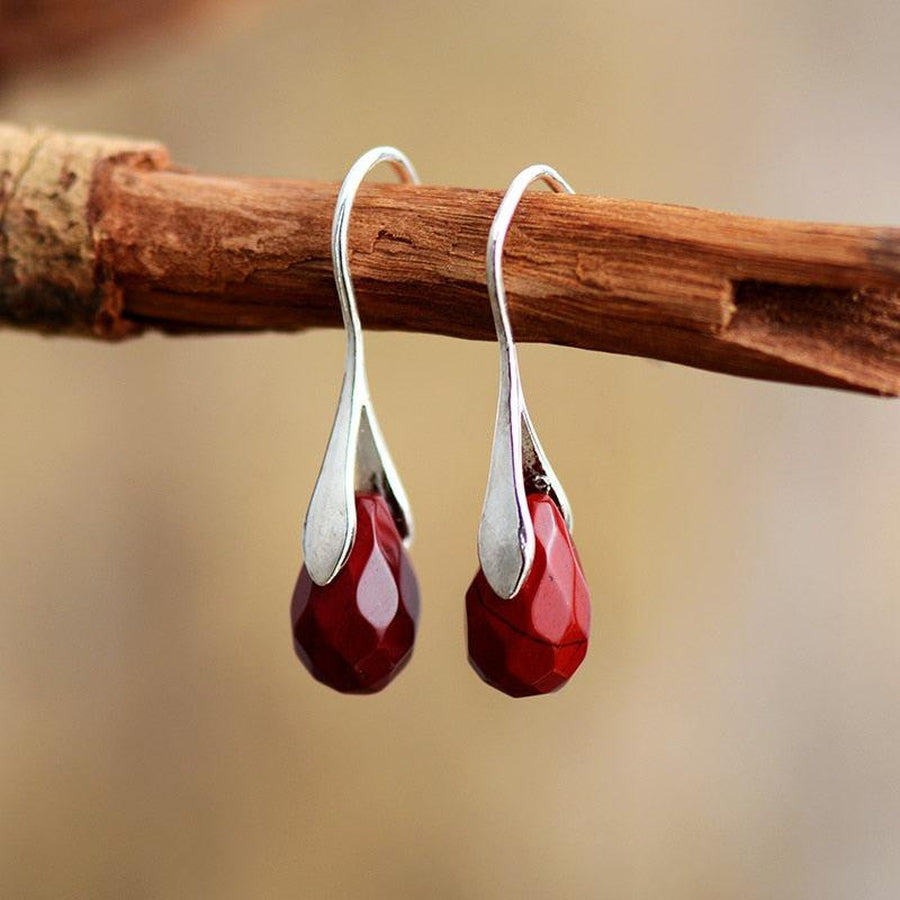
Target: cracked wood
(176, 251)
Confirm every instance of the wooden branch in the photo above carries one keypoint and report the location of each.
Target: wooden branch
(145, 246)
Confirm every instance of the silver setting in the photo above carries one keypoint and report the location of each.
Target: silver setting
(518, 462)
(356, 454)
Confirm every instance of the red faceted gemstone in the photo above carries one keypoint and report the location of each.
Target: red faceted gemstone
(356, 633)
(533, 643)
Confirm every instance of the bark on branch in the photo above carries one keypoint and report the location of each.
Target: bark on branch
(102, 237)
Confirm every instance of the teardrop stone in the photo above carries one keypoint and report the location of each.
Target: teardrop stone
(534, 642)
(356, 633)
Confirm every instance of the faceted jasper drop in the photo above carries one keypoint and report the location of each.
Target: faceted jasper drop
(356, 633)
(533, 643)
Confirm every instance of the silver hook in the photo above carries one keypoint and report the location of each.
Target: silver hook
(518, 462)
(356, 453)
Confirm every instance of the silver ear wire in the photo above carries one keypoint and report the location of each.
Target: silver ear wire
(356, 452)
(518, 462)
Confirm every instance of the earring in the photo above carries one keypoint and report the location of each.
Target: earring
(528, 609)
(356, 604)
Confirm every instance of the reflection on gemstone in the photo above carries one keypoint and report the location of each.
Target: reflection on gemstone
(533, 643)
(356, 633)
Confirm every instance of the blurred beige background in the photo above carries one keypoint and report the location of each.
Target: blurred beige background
(734, 730)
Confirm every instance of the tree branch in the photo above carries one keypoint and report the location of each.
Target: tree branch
(174, 251)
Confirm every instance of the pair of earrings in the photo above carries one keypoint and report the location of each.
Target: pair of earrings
(356, 604)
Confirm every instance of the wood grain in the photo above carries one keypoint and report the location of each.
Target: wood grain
(786, 301)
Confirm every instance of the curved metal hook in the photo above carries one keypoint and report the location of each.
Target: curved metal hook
(340, 231)
(356, 451)
(518, 462)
